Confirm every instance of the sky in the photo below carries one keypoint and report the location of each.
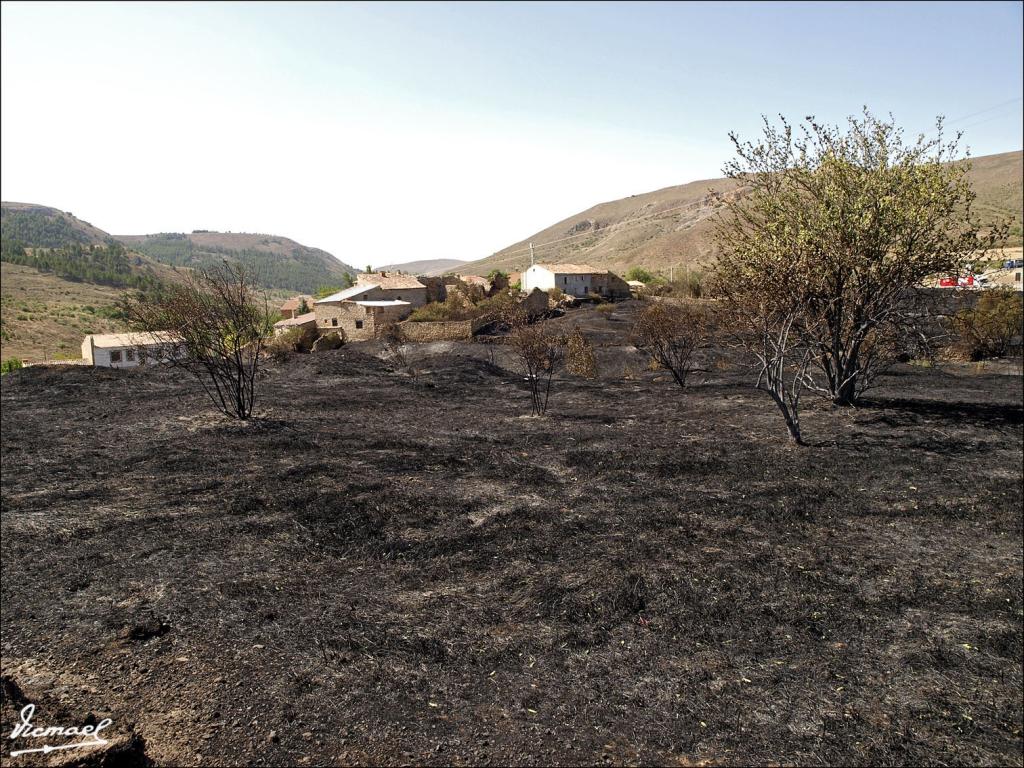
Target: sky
(392, 132)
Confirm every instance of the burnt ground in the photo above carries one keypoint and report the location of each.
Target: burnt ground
(387, 571)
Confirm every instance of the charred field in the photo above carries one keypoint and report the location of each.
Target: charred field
(383, 570)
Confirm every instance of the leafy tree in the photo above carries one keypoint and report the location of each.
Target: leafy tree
(108, 264)
(639, 274)
(832, 234)
(10, 364)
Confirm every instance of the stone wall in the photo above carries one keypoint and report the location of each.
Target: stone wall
(442, 330)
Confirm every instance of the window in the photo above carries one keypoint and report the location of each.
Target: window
(334, 321)
(115, 355)
(1016, 277)
(129, 355)
(399, 298)
(359, 323)
(565, 281)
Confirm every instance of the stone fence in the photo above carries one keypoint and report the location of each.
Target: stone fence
(443, 330)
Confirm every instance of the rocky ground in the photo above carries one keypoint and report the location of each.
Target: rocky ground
(387, 570)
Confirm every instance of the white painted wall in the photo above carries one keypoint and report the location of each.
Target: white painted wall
(102, 356)
(539, 277)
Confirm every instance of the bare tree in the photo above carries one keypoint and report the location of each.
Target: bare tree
(219, 321)
(539, 351)
(866, 218)
(671, 335)
(763, 311)
(395, 343)
(772, 336)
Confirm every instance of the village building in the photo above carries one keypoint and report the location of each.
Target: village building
(483, 282)
(128, 350)
(375, 301)
(307, 320)
(575, 280)
(293, 307)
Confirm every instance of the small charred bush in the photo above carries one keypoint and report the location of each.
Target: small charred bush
(294, 340)
(332, 340)
(992, 328)
(671, 335)
(539, 351)
(580, 359)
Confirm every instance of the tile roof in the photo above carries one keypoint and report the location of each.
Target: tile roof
(390, 280)
(295, 302)
(573, 269)
(389, 303)
(108, 340)
(309, 317)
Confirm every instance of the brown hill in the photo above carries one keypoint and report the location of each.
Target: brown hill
(426, 266)
(673, 226)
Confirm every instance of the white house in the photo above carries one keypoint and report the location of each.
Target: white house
(127, 350)
(573, 279)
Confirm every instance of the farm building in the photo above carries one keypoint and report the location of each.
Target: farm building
(376, 300)
(575, 280)
(307, 320)
(127, 350)
(293, 307)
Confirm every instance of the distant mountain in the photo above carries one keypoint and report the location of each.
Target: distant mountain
(280, 262)
(40, 226)
(426, 266)
(673, 226)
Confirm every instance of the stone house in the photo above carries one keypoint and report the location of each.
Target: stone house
(307, 320)
(376, 300)
(293, 306)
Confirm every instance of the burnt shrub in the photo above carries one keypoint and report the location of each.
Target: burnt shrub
(292, 340)
(992, 328)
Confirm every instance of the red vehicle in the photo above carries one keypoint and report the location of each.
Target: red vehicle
(954, 282)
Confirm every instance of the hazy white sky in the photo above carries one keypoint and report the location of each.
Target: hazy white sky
(395, 132)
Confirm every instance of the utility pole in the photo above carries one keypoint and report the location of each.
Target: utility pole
(531, 254)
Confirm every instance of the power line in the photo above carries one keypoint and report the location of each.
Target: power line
(986, 120)
(987, 109)
(609, 230)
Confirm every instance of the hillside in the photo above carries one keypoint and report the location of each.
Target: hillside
(63, 276)
(426, 266)
(44, 227)
(44, 317)
(280, 262)
(673, 226)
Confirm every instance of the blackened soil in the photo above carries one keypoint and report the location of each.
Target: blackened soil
(382, 570)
